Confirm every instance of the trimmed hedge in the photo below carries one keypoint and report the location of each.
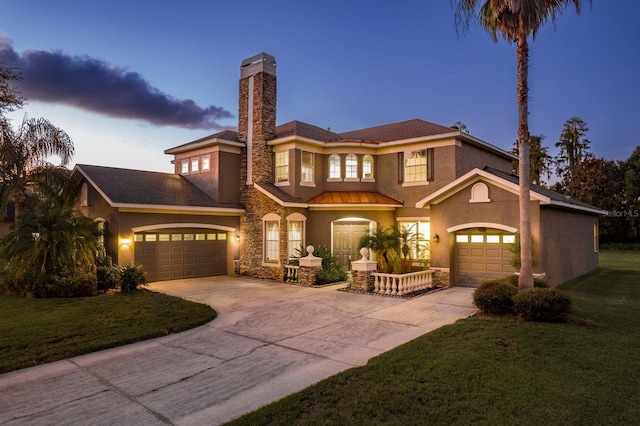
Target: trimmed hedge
(495, 297)
(542, 304)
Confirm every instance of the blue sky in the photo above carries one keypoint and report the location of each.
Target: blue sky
(341, 64)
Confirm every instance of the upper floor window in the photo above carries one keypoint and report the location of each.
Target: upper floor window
(184, 166)
(334, 166)
(282, 166)
(307, 167)
(351, 167)
(206, 163)
(415, 166)
(367, 167)
(195, 165)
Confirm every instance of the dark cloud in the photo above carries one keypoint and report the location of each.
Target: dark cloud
(97, 86)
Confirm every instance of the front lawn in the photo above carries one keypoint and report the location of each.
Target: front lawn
(34, 331)
(497, 371)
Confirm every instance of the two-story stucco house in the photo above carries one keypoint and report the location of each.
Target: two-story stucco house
(256, 194)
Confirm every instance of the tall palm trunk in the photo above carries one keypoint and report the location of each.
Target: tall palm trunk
(526, 267)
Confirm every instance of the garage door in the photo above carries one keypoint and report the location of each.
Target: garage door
(181, 253)
(481, 256)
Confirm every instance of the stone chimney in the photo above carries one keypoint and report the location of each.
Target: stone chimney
(257, 116)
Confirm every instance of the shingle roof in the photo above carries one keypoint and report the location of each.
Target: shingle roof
(298, 128)
(397, 131)
(125, 186)
(354, 198)
(546, 192)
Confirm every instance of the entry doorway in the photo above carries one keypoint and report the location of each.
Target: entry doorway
(346, 239)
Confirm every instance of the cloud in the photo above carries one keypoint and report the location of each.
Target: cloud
(95, 85)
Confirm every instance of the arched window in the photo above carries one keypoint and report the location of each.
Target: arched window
(351, 167)
(367, 167)
(480, 193)
(334, 166)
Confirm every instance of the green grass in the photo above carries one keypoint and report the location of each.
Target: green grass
(495, 371)
(35, 331)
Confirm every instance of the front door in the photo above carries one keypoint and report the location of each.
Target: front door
(346, 239)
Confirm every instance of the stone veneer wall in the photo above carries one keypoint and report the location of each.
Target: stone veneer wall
(441, 277)
(256, 204)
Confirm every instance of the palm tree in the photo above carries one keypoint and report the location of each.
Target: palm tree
(515, 20)
(24, 153)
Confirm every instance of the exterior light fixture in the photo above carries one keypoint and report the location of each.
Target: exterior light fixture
(125, 241)
(436, 238)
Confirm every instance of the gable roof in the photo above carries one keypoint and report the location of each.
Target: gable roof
(138, 188)
(508, 182)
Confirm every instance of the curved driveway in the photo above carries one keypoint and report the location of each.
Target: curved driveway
(269, 340)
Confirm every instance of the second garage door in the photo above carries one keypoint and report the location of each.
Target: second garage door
(481, 256)
(181, 253)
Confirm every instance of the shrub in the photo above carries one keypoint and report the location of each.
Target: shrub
(78, 283)
(495, 297)
(331, 271)
(108, 275)
(542, 304)
(132, 277)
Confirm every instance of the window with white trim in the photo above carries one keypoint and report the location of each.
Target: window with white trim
(307, 167)
(351, 167)
(282, 166)
(195, 165)
(334, 166)
(415, 166)
(184, 167)
(367, 166)
(206, 163)
(294, 232)
(418, 237)
(271, 241)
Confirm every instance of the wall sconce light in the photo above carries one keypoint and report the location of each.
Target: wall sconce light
(237, 237)
(125, 241)
(436, 238)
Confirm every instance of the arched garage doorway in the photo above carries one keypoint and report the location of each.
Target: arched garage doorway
(482, 253)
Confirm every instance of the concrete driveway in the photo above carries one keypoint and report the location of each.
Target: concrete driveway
(269, 340)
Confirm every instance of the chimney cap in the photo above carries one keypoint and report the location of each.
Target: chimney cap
(262, 62)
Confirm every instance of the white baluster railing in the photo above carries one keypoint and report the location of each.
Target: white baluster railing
(291, 273)
(400, 284)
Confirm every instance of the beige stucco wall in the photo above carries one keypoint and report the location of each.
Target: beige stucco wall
(567, 245)
(456, 210)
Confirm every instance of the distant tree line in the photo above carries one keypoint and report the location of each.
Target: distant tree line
(613, 186)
